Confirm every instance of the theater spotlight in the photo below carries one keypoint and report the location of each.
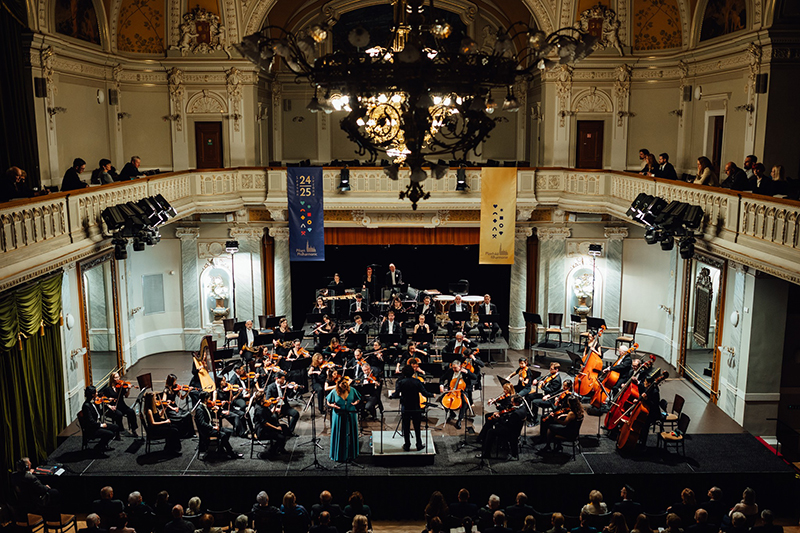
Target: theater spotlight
(650, 236)
(344, 180)
(667, 241)
(120, 251)
(461, 179)
(686, 247)
(232, 247)
(113, 218)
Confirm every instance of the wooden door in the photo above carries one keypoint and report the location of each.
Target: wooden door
(716, 149)
(208, 139)
(590, 144)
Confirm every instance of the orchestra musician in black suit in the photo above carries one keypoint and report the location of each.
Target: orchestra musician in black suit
(427, 309)
(357, 327)
(336, 288)
(268, 427)
(460, 307)
(408, 390)
(208, 429)
(118, 390)
(550, 385)
(277, 389)
(394, 278)
(359, 305)
(390, 326)
(92, 423)
(245, 340)
(488, 330)
(451, 379)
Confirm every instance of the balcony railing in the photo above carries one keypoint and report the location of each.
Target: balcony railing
(43, 233)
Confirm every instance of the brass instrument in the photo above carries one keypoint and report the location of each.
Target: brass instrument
(340, 297)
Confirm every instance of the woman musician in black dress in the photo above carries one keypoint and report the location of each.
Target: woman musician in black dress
(370, 285)
(170, 398)
(159, 426)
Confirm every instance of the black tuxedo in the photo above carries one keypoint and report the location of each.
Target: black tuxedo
(515, 514)
(493, 328)
(202, 418)
(452, 326)
(397, 329)
(354, 305)
(666, 171)
(91, 425)
(241, 342)
(274, 392)
(552, 386)
(123, 409)
(398, 278)
(408, 390)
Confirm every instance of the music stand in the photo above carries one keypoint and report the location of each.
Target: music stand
(433, 370)
(577, 363)
(389, 339)
(400, 318)
(422, 337)
(449, 357)
(239, 325)
(535, 320)
(262, 340)
(366, 316)
(357, 339)
(325, 338)
(224, 353)
(294, 335)
(459, 316)
(262, 321)
(145, 381)
(595, 323)
(314, 318)
(274, 321)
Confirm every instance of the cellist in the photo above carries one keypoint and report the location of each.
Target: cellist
(624, 366)
(451, 381)
(651, 397)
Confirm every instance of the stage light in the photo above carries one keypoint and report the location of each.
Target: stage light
(165, 205)
(693, 217)
(344, 180)
(595, 250)
(138, 246)
(667, 242)
(113, 218)
(650, 236)
(686, 247)
(120, 251)
(652, 210)
(461, 179)
(232, 247)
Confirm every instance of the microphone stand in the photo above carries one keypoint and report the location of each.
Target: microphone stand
(316, 465)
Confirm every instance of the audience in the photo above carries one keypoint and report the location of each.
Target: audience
(92, 524)
(596, 504)
(760, 183)
(616, 524)
(705, 173)
(360, 524)
(715, 506)
(643, 153)
(529, 524)
(131, 169)
(515, 514)
(163, 511)
(266, 517)
(767, 526)
(650, 166)
(325, 505)
(665, 168)
(72, 177)
(242, 524)
(355, 506)
(15, 185)
(178, 524)
(486, 513)
(747, 506)
(749, 161)
(686, 507)
(463, 508)
(736, 179)
(195, 506)
(673, 524)
(738, 524)
(123, 525)
(557, 521)
(627, 507)
(107, 508)
(642, 525)
(140, 515)
(436, 508)
(701, 524)
(498, 521)
(324, 524)
(584, 527)
(295, 517)
(207, 525)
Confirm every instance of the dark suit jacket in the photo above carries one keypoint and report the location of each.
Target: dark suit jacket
(451, 346)
(624, 368)
(398, 278)
(364, 307)
(108, 511)
(266, 519)
(629, 509)
(396, 328)
(460, 510)
(178, 526)
(515, 515)
(318, 508)
(668, 172)
(242, 340)
(497, 529)
(408, 390)
(736, 181)
(72, 181)
(482, 309)
(766, 186)
(129, 172)
(91, 418)
(203, 421)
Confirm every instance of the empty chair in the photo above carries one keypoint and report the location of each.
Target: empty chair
(61, 523)
(553, 326)
(230, 335)
(674, 415)
(628, 335)
(676, 438)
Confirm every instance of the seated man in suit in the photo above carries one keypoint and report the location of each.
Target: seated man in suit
(463, 507)
(92, 424)
(33, 495)
(207, 429)
(457, 306)
(131, 170)
(760, 183)
(627, 507)
(736, 178)
(488, 330)
(359, 305)
(107, 508)
(665, 169)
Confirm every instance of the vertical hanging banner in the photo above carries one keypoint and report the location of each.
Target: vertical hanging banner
(498, 215)
(306, 229)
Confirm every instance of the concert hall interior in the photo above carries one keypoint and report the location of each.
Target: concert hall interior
(618, 179)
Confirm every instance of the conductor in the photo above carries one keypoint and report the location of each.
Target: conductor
(409, 390)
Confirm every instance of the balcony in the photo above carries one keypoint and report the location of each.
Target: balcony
(41, 234)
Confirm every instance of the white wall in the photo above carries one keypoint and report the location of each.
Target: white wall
(83, 129)
(71, 340)
(145, 133)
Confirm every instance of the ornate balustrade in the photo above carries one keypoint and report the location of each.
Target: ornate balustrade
(44, 233)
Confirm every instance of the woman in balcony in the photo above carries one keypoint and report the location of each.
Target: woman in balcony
(705, 173)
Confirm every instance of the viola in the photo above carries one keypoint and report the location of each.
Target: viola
(637, 420)
(124, 385)
(555, 415)
(498, 414)
(629, 393)
(102, 400)
(592, 367)
(183, 388)
(498, 399)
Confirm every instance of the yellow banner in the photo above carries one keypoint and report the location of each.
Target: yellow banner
(498, 215)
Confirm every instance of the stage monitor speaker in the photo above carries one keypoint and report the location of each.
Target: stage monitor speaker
(761, 83)
(40, 87)
(687, 93)
(113, 97)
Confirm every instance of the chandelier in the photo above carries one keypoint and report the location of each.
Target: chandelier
(418, 95)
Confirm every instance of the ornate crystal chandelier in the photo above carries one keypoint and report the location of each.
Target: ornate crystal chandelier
(418, 95)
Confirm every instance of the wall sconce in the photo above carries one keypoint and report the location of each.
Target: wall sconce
(622, 114)
(56, 110)
(77, 352)
(235, 117)
(135, 310)
(120, 116)
(171, 118)
(569, 113)
(536, 112)
(298, 119)
(676, 113)
(746, 107)
(665, 309)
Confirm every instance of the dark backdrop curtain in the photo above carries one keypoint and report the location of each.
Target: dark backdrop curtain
(32, 392)
(18, 145)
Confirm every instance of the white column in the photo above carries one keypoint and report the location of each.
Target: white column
(283, 272)
(190, 287)
(177, 110)
(519, 284)
(562, 154)
(552, 252)
(249, 285)
(277, 122)
(613, 282)
(622, 91)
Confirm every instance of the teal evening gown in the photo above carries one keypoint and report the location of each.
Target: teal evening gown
(344, 430)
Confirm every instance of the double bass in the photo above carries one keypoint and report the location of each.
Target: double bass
(638, 419)
(592, 366)
(602, 388)
(628, 394)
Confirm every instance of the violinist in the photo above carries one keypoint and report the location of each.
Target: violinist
(159, 426)
(567, 425)
(233, 405)
(549, 386)
(501, 403)
(268, 427)
(93, 425)
(560, 408)
(336, 352)
(245, 339)
(506, 428)
(118, 390)
(456, 380)
(409, 390)
(298, 376)
(375, 357)
(523, 386)
(208, 427)
(370, 381)
(180, 418)
(277, 390)
(318, 372)
(397, 306)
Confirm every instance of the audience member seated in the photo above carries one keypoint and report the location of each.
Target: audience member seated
(642, 525)
(779, 183)
(767, 526)
(72, 177)
(705, 173)
(295, 517)
(616, 524)
(760, 183)
(748, 164)
(665, 169)
(630, 509)
(131, 170)
(686, 507)
(242, 524)
(515, 514)
(324, 524)
(486, 513)
(736, 179)
(360, 524)
(178, 524)
(104, 173)
(107, 508)
(194, 507)
(15, 185)
(499, 520)
(738, 524)
(163, 511)
(650, 166)
(140, 515)
(467, 524)
(207, 525)
(463, 507)
(92, 525)
(356, 506)
(584, 527)
(528, 525)
(325, 505)
(557, 521)
(123, 526)
(266, 517)
(673, 524)
(435, 526)
(715, 507)
(33, 496)
(596, 504)
(701, 524)
(436, 508)
(643, 153)
(748, 506)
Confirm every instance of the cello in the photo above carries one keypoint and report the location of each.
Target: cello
(638, 420)
(602, 388)
(452, 399)
(628, 394)
(592, 366)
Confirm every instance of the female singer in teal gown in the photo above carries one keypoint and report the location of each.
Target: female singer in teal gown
(344, 426)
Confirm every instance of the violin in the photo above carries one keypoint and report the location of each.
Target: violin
(102, 400)
(124, 385)
(555, 415)
(498, 414)
(498, 399)
(183, 388)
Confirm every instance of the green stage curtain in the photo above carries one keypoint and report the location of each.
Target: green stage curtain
(32, 392)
